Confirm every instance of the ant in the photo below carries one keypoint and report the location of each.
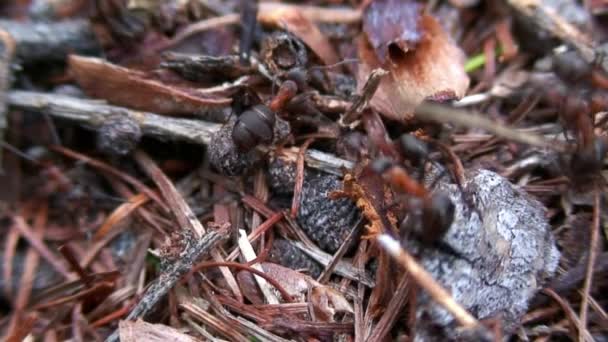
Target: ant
(256, 124)
(586, 157)
(431, 213)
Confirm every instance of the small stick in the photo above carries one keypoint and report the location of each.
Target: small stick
(182, 211)
(593, 248)
(464, 118)
(196, 249)
(94, 113)
(7, 51)
(329, 269)
(426, 281)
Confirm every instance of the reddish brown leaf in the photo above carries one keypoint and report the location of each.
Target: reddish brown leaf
(423, 61)
(130, 88)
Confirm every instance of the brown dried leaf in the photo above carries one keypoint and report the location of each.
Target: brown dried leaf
(143, 331)
(423, 61)
(294, 21)
(130, 88)
(295, 283)
(325, 302)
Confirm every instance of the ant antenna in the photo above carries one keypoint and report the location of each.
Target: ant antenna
(18, 152)
(346, 61)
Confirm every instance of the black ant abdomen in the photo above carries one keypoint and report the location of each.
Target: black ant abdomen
(254, 126)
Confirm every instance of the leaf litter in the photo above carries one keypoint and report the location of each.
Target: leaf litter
(367, 170)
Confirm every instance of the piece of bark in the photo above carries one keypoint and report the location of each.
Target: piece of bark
(51, 41)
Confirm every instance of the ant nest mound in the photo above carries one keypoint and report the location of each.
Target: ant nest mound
(506, 253)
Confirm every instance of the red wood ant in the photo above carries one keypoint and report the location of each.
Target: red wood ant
(430, 214)
(586, 159)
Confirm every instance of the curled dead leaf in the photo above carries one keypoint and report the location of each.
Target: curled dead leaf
(294, 21)
(423, 61)
(131, 88)
(324, 302)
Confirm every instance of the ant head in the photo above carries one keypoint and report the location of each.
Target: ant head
(413, 148)
(381, 165)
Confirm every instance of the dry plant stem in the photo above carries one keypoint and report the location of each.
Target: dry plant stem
(595, 236)
(342, 268)
(393, 310)
(550, 20)
(94, 113)
(209, 320)
(368, 91)
(426, 281)
(165, 282)
(39, 245)
(570, 314)
(329, 269)
(459, 117)
(299, 182)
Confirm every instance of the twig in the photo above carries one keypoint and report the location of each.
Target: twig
(94, 114)
(426, 281)
(593, 248)
(329, 268)
(368, 91)
(161, 285)
(464, 118)
(181, 210)
(52, 41)
(570, 314)
(7, 51)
